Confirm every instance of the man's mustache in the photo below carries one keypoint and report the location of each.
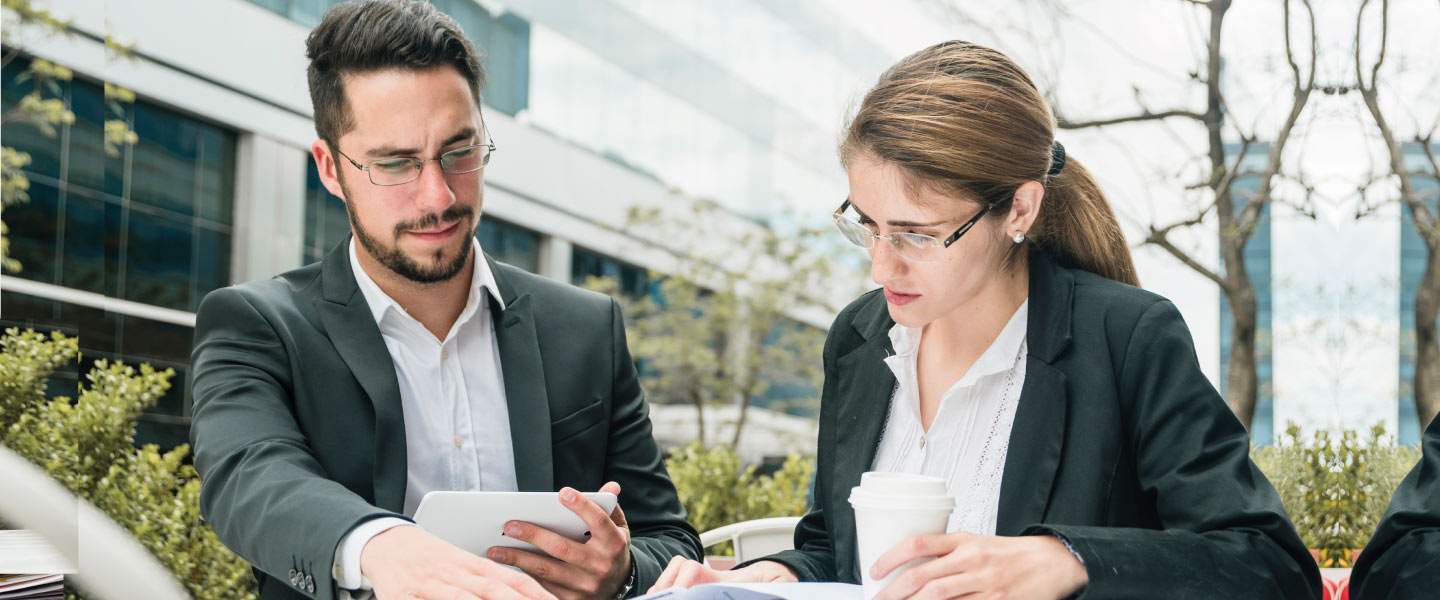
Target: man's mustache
(451, 215)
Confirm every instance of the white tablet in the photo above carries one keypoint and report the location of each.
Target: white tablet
(475, 521)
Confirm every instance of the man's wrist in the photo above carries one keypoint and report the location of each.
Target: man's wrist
(629, 583)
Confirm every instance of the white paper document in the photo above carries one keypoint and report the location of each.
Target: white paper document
(762, 591)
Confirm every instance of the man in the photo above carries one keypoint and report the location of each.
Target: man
(1402, 559)
(330, 399)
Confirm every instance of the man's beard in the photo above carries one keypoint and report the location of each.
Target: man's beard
(400, 263)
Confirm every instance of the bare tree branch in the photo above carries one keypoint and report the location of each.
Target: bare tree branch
(1145, 115)
(1182, 256)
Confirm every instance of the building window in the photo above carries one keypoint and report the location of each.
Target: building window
(326, 223)
(510, 243)
(634, 281)
(152, 225)
(502, 40)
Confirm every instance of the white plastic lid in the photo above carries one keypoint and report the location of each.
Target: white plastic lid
(901, 491)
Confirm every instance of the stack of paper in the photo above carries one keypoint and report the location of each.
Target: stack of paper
(762, 591)
(31, 587)
(24, 551)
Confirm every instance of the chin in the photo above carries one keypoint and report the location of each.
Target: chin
(906, 315)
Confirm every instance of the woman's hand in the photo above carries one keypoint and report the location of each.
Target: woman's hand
(1037, 566)
(683, 572)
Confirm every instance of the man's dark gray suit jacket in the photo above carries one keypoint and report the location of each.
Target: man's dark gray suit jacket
(298, 430)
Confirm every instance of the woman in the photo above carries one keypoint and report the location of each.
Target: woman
(1009, 354)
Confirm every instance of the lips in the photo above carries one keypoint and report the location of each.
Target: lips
(436, 234)
(899, 298)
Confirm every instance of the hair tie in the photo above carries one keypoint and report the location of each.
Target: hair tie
(1057, 158)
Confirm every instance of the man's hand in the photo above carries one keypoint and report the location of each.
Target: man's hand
(408, 562)
(594, 569)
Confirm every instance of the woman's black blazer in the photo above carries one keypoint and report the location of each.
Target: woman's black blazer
(1120, 445)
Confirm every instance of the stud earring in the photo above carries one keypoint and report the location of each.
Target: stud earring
(1018, 237)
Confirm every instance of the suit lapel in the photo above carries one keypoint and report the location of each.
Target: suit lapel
(1036, 441)
(352, 329)
(525, 394)
(1037, 438)
(866, 386)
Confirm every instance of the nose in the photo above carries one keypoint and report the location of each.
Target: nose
(885, 262)
(432, 191)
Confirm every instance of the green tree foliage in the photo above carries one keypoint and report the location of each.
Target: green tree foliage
(716, 491)
(87, 445)
(719, 330)
(1335, 486)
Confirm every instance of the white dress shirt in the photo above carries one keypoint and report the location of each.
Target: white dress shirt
(457, 425)
(970, 434)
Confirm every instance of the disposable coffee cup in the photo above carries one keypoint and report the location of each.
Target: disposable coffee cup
(890, 507)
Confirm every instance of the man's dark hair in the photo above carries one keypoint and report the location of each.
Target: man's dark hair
(377, 35)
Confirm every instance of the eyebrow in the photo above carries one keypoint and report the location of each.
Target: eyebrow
(896, 223)
(389, 150)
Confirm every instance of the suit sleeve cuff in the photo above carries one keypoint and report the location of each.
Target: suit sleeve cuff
(347, 555)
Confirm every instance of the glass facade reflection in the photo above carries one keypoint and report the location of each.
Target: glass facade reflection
(152, 225)
(1412, 268)
(503, 39)
(634, 281)
(1257, 265)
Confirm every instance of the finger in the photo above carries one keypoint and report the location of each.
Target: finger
(617, 516)
(469, 586)
(919, 576)
(667, 578)
(601, 527)
(521, 582)
(542, 569)
(557, 546)
(953, 586)
(911, 548)
(695, 574)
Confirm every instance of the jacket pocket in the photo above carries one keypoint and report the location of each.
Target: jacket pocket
(577, 422)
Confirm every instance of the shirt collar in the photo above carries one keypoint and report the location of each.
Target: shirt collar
(380, 302)
(998, 358)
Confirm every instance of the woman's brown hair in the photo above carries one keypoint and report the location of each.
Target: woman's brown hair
(966, 121)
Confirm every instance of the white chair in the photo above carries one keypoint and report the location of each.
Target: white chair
(101, 556)
(755, 538)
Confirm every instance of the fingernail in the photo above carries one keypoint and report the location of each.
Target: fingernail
(568, 495)
(512, 530)
(498, 556)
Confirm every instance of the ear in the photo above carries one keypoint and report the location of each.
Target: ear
(1024, 209)
(325, 164)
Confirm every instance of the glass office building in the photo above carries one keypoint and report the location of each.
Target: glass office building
(594, 106)
(1412, 268)
(1258, 266)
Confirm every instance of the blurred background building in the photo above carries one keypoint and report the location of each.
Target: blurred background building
(595, 106)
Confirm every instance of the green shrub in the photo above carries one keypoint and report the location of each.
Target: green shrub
(1335, 486)
(716, 491)
(88, 445)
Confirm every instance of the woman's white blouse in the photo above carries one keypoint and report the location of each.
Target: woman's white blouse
(970, 435)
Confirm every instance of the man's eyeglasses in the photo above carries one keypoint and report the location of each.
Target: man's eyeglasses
(914, 247)
(402, 170)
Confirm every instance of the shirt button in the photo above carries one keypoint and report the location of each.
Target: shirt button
(922, 442)
(444, 353)
(458, 442)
